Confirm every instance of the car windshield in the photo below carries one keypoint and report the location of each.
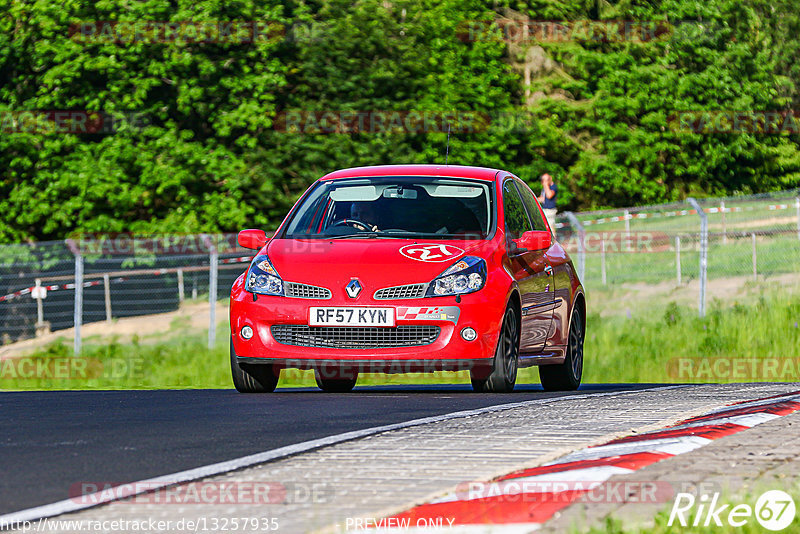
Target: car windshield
(402, 207)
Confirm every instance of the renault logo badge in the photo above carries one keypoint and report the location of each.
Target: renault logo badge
(353, 288)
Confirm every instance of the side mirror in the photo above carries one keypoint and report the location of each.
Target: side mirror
(534, 240)
(254, 239)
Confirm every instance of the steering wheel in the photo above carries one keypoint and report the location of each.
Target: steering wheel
(355, 223)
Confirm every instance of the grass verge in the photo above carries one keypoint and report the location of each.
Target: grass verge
(756, 339)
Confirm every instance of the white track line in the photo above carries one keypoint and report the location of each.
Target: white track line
(152, 484)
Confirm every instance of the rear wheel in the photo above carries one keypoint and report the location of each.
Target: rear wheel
(253, 378)
(567, 376)
(506, 359)
(339, 383)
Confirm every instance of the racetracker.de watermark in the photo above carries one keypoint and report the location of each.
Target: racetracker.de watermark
(776, 122)
(70, 368)
(189, 525)
(351, 369)
(734, 368)
(524, 490)
(205, 492)
(187, 31)
(523, 30)
(621, 241)
(145, 244)
(148, 245)
(402, 122)
(67, 121)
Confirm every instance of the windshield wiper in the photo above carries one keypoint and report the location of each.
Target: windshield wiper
(368, 235)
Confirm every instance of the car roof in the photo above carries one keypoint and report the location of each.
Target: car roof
(450, 171)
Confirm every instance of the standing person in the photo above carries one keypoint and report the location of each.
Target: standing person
(548, 200)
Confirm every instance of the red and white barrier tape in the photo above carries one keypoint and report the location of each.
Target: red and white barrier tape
(56, 287)
(240, 259)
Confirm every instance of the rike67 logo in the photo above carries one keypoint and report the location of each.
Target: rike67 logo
(774, 510)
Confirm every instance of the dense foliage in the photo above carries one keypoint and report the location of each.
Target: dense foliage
(205, 146)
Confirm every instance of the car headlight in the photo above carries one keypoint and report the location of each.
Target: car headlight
(262, 278)
(467, 275)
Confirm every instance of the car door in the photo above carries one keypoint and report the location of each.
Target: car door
(531, 271)
(557, 261)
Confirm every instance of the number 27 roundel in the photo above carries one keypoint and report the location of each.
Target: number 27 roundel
(431, 253)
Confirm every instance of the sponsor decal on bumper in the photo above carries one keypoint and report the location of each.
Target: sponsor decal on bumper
(428, 313)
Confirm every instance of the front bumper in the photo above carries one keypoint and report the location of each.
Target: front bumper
(447, 352)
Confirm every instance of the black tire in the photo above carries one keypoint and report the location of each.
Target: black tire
(336, 385)
(253, 378)
(567, 376)
(506, 359)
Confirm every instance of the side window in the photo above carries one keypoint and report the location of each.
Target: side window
(533, 208)
(516, 220)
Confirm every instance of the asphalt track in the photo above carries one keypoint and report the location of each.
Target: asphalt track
(53, 440)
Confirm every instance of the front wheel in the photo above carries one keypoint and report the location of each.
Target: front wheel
(506, 359)
(567, 376)
(253, 378)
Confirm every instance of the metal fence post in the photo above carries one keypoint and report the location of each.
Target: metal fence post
(603, 258)
(724, 227)
(797, 208)
(78, 315)
(627, 230)
(573, 220)
(39, 307)
(755, 261)
(181, 295)
(213, 265)
(107, 294)
(678, 257)
(703, 254)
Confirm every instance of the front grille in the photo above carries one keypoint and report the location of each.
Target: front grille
(305, 291)
(354, 337)
(411, 291)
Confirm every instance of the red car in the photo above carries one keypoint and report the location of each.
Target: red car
(409, 268)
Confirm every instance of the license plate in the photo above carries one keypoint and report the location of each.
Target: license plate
(351, 317)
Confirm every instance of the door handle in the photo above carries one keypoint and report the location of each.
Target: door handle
(548, 270)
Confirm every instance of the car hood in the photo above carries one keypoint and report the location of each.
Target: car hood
(376, 263)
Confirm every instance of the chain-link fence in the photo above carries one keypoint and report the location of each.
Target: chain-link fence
(62, 284)
(747, 237)
(56, 285)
